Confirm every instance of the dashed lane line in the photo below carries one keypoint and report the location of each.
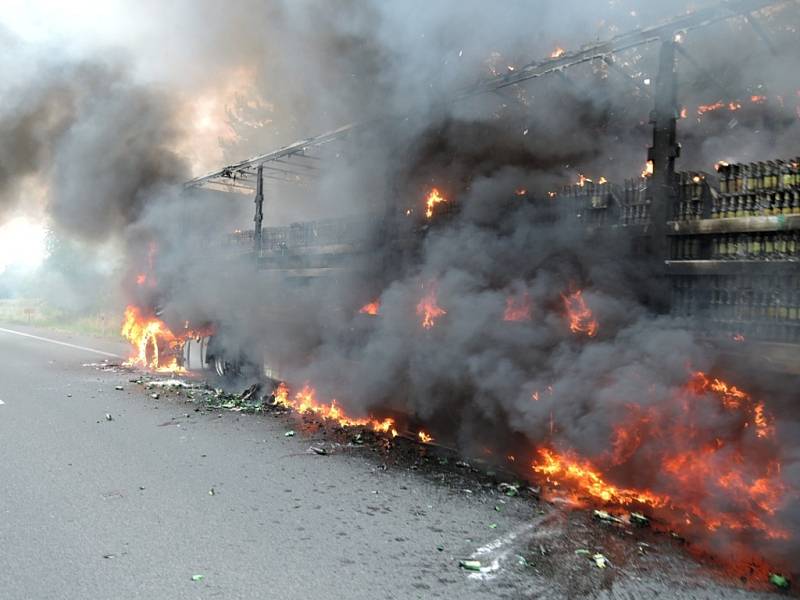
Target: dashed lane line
(57, 342)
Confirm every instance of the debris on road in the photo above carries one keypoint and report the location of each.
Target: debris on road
(289, 433)
(109, 417)
(176, 383)
(470, 565)
(319, 450)
(606, 517)
(508, 489)
(779, 581)
(250, 393)
(639, 519)
(155, 396)
(198, 577)
(600, 561)
(119, 388)
(212, 492)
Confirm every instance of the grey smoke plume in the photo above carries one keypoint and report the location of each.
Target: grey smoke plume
(101, 143)
(472, 377)
(104, 144)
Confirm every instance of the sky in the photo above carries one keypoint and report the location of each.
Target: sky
(83, 28)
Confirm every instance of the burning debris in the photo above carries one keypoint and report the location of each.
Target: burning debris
(699, 470)
(304, 401)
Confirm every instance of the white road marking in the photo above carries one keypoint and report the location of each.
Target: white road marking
(44, 339)
(497, 552)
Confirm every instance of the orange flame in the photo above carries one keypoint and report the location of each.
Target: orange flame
(434, 198)
(424, 437)
(732, 398)
(581, 319)
(371, 309)
(305, 402)
(648, 169)
(702, 479)
(588, 479)
(705, 108)
(558, 52)
(429, 310)
(518, 308)
(155, 346)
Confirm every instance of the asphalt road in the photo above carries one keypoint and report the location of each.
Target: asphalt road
(92, 508)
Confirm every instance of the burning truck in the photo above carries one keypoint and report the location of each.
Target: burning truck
(531, 325)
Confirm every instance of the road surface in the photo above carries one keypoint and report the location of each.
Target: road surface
(166, 501)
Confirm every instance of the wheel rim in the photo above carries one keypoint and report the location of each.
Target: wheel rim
(219, 366)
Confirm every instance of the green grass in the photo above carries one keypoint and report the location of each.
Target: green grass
(37, 313)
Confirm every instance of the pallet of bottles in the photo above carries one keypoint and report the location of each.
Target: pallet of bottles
(758, 307)
(776, 245)
(592, 202)
(757, 189)
(751, 246)
(635, 204)
(693, 196)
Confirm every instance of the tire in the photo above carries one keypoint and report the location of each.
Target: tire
(226, 369)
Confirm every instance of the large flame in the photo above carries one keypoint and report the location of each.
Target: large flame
(434, 197)
(155, 346)
(305, 402)
(725, 478)
(570, 470)
(581, 319)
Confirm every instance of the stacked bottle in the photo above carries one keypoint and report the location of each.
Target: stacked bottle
(591, 201)
(692, 192)
(635, 206)
(758, 189)
(687, 248)
(763, 308)
(774, 245)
